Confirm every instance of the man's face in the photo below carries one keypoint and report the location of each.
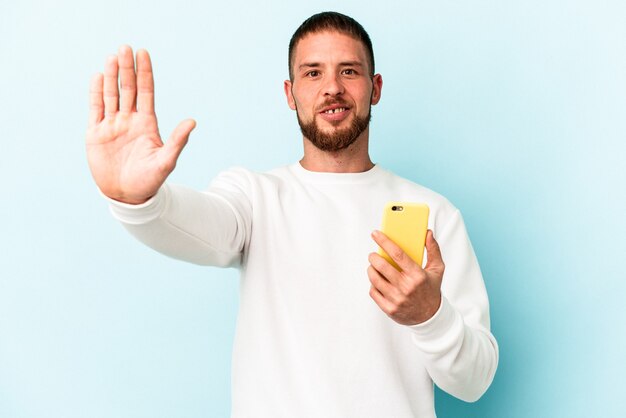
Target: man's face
(332, 89)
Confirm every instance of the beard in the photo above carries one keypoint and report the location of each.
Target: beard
(338, 139)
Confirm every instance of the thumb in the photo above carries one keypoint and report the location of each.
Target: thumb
(177, 141)
(435, 262)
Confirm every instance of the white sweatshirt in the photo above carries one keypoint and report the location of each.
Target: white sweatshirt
(310, 342)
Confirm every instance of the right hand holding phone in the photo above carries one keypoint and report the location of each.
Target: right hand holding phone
(411, 295)
(126, 155)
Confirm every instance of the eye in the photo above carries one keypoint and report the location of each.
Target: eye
(349, 72)
(312, 74)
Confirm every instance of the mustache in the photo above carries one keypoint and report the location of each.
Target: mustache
(332, 102)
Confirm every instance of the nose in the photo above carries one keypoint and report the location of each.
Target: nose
(333, 86)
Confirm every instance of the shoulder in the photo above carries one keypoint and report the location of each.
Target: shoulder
(442, 211)
(411, 189)
(247, 181)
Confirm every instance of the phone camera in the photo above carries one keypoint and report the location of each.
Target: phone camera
(397, 208)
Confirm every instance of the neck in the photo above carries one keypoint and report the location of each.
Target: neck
(354, 159)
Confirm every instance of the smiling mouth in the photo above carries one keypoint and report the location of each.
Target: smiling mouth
(337, 110)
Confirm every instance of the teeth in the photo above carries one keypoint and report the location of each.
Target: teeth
(339, 109)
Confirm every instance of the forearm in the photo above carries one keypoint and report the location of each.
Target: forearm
(460, 359)
(201, 228)
(460, 353)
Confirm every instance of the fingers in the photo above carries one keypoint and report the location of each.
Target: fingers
(388, 271)
(136, 89)
(384, 287)
(394, 251)
(385, 305)
(96, 105)
(174, 146)
(145, 83)
(435, 261)
(110, 91)
(128, 83)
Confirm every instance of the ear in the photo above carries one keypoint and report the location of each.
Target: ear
(377, 82)
(290, 100)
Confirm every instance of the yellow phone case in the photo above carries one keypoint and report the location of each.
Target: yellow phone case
(406, 224)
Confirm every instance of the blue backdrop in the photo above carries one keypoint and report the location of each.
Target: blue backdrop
(513, 110)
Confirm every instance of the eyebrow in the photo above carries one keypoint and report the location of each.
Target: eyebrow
(342, 64)
(351, 64)
(309, 65)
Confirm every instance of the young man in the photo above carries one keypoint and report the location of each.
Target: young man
(326, 328)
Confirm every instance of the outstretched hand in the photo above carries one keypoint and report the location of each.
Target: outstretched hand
(127, 158)
(411, 295)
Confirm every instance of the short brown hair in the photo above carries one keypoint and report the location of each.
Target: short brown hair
(331, 21)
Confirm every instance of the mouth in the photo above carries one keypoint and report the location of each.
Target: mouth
(334, 113)
(335, 110)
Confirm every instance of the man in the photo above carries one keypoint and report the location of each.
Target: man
(315, 337)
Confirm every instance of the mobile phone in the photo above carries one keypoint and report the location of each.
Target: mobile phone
(406, 223)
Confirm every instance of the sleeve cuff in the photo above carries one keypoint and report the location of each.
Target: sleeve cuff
(142, 213)
(438, 331)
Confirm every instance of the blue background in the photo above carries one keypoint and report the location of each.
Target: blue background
(513, 110)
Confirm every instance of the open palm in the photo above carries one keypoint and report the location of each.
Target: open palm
(126, 155)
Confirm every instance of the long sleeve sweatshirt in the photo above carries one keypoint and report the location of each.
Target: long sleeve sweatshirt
(310, 342)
